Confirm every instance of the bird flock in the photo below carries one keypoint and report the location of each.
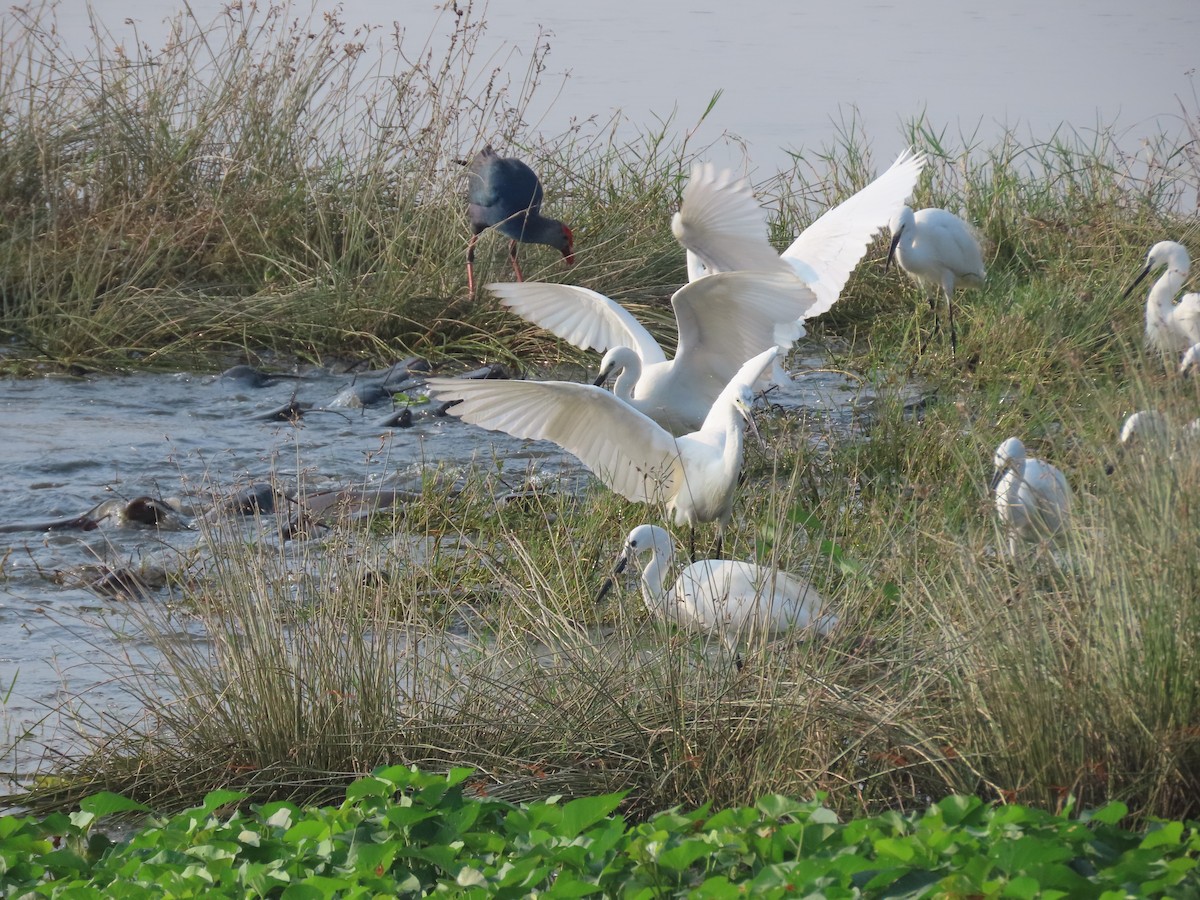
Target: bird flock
(671, 433)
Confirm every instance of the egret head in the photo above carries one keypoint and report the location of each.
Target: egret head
(1145, 426)
(643, 539)
(743, 403)
(1164, 253)
(616, 361)
(1190, 365)
(1009, 457)
(903, 218)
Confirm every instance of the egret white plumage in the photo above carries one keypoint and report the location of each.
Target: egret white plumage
(1146, 427)
(722, 323)
(1153, 435)
(721, 226)
(1033, 498)
(693, 475)
(939, 250)
(730, 599)
(1190, 364)
(1170, 326)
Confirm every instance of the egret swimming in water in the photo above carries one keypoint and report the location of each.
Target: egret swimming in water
(694, 475)
(722, 323)
(1170, 326)
(1032, 496)
(939, 250)
(730, 599)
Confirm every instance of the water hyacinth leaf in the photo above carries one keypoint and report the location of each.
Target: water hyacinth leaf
(959, 809)
(469, 876)
(371, 786)
(682, 855)
(306, 830)
(777, 806)
(214, 800)
(303, 892)
(895, 848)
(582, 813)
(106, 803)
(403, 817)
(1167, 834)
(1109, 814)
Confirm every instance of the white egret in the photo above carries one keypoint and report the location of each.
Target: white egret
(1154, 436)
(1146, 427)
(1190, 364)
(939, 250)
(1032, 496)
(693, 475)
(722, 323)
(1170, 326)
(721, 226)
(730, 599)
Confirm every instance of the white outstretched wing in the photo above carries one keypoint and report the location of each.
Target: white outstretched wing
(827, 251)
(727, 318)
(579, 316)
(721, 223)
(630, 452)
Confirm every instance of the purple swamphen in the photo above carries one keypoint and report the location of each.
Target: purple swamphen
(505, 193)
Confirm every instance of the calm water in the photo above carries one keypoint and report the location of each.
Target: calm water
(790, 71)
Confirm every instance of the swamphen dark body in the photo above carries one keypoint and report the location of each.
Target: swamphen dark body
(505, 194)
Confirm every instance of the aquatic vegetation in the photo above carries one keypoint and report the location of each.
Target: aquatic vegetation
(400, 832)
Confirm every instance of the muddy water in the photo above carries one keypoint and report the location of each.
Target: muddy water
(74, 446)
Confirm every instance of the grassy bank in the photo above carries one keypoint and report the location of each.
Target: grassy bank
(250, 213)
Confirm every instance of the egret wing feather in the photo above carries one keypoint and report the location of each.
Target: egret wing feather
(729, 317)
(721, 223)
(579, 316)
(631, 453)
(827, 251)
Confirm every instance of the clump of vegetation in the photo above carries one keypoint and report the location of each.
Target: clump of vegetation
(264, 183)
(400, 832)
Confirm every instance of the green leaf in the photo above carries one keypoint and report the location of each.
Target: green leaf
(683, 855)
(1109, 814)
(584, 812)
(106, 803)
(214, 800)
(896, 848)
(370, 787)
(1166, 834)
(806, 519)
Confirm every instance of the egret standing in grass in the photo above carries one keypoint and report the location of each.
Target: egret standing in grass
(1190, 364)
(1152, 434)
(505, 194)
(1032, 496)
(694, 475)
(723, 321)
(730, 599)
(939, 250)
(1170, 326)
